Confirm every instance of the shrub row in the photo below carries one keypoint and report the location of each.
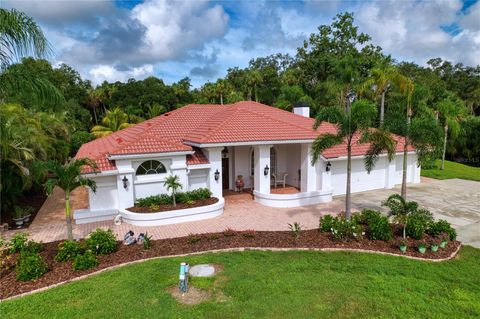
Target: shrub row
(341, 228)
(185, 197)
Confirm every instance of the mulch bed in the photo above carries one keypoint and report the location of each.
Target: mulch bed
(169, 207)
(10, 286)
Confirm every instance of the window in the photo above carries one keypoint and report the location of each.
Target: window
(273, 161)
(151, 167)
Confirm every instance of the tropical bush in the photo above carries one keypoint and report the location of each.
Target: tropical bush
(378, 227)
(147, 242)
(192, 239)
(30, 266)
(85, 261)
(418, 222)
(102, 242)
(68, 250)
(296, 229)
(17, 243)
(442, 226)
(184, 197)
(326, 223)
(32, 247)
(343, 229)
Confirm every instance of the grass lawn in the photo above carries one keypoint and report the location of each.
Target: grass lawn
(272, 285)
(452, 170)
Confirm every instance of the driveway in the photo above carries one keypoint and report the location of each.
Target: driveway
(454, 200)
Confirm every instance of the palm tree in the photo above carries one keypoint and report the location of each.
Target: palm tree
(380, 81)
(113, 121)
(21, 36)
(406, 87)
(172, 183)
(352, 121)
(450, 113)
(155, 109)
(254, 78)
(221, 88)
(400, 209)
(69, 177)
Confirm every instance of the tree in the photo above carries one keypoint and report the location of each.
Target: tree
(113, 121)
(69, 177)
(353, 125)
(450, 111)
(172, 182)
(380, 81)
(21, 36)
(155, 110)
(400, 209)
(254, 79)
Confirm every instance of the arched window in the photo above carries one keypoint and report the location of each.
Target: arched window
(151, 167)
(273, 161)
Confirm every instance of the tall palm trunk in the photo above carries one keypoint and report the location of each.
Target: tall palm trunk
(95, 115)
(444, 146)
(349, 177)
(174, 199)
(221, 98)
(249, 97)
(382, 108)
(256, 96)
(404, 168)
(68, 216)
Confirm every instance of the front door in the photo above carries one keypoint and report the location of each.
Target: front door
(225, 171)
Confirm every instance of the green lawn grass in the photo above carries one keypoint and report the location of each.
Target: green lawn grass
(452, 170)
(273, 285)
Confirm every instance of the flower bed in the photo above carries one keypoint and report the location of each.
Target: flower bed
(169, 207)
(63, 271)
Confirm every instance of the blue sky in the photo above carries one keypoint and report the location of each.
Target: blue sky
(201, 39)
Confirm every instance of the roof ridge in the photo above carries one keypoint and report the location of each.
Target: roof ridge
(211, 119)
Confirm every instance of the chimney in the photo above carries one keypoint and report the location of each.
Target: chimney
(302, 109)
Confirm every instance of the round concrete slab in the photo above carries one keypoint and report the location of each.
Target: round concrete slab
(204, 270)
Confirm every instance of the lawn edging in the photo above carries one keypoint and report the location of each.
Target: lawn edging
(237, 249)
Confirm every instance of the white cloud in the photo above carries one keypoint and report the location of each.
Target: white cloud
(102, 73)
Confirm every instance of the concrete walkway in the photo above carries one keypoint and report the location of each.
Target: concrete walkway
(454, 200)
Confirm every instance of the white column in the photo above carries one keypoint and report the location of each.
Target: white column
(389, 173)
(262, 159)
(214, 155)
(309, 178)
(126, 196)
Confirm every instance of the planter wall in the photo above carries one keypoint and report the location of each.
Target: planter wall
(293, 200)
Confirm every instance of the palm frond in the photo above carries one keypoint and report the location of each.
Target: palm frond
(322, 143)
(380, 141)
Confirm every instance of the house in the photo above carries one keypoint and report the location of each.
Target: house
(209, 145)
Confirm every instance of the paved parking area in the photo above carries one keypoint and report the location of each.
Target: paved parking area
(455, 200)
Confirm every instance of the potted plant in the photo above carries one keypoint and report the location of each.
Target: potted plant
(434, 244)
(239, 183)
(421, 247)
(402, 244)
(27, 213)
(443, 240)
(18, 216)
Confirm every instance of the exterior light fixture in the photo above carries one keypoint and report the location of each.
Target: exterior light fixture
(217, 175)
(125, 181)
(328, 166)
(265, 170)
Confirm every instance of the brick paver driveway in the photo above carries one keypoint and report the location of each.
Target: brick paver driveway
(454, 200)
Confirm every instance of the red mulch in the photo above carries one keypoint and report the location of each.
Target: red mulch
(9, 286)
(169, 207)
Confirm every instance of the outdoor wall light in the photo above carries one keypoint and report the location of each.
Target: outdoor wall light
(265, 170)
(125, 181)
(328, 166)
(217, 175)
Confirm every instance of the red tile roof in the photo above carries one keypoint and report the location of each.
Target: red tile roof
(209, 124)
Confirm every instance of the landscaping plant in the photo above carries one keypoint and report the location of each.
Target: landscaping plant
(17, 243)
(85, 261)
(192, 239)
(378, 227)
(326, 223)
(418, 222)
(30, 266)
(442, 226)
(400, 209)
(101, 242)
(172, 182)
(229, 232)
(296, 229)
(68, 250)
(69, 177)
(147, 241)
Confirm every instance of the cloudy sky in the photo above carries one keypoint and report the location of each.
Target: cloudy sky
(118, 40)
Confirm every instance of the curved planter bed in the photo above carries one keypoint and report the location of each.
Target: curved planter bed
(173, 216)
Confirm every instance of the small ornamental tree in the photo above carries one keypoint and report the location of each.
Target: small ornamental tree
(400, 209)
(69, 177)
(172, 183)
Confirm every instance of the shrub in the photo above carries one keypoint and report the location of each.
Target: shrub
(32, 247)
(229, 232)
(296, 229)
(17, 243)
(30, 266)
(442, 226)
(342, 229)
(147, 242)
(155, 200)
(212, 236)
(68, 250)
(378, 227)
(85, 261)
(326, 223)
(200, 193)
(102, 242)
(418, 222)
(192, 239)
(183, 197)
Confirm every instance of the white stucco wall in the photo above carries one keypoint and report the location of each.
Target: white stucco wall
(197, 178)
(106, 196)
